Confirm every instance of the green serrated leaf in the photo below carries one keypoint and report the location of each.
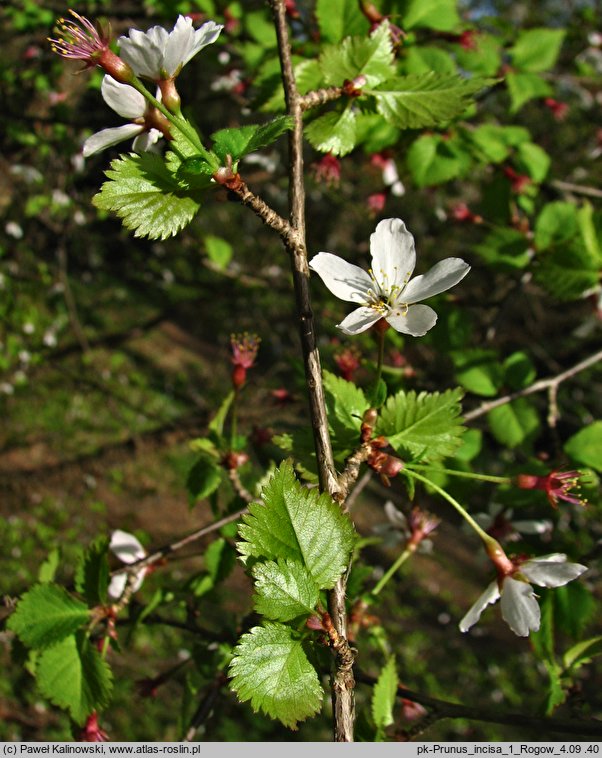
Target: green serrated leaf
(506, 249)
(537, 49)
(514, 423)
(247, 139)
(421, 59)
(46, 614)
(384, 694)
(220, 559)
(589, 234)
(335, 132)
(339, 18)
(543, 639)
(298, 524)
(271, 669)
(73, 675)
(419, 100)
(345, 405)
(556, 694)
(370, 57)
(485, 59)
(478, 371)
(533, 160)
(519, 370)
(147, 197)
(92, 574)
(555, 225)
(426, 424)
(567, 272)
(585, 446)
(285, 590)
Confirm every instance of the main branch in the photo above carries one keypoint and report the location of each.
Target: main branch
(343, 682)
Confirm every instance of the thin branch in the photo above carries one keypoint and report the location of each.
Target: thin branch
(540, 386)
(319, 97)
(577, 189)
(163, 552)
(343, 682)
(445, 709)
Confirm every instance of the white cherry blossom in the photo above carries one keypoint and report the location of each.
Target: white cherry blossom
(158, 54)
(131, 104)
(129, 550)
(519, 606)
(387, 291)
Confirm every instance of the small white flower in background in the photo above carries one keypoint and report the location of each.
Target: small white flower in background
(129, 550)
(500, 524)
(387, 290)
(520, 609)
(401, 529)
(129, 103)
(158, 54)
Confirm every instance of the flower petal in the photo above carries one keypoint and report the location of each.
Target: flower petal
(549, 571)
(415, 320)
(143, 52)
(393, 254)
(123, 99)
(490, 596)
(533, 526)
(146, 141)
(108, 137)
(441, 277)
(359, 320)
(126, 547)
(345, 280)
(520, 609)
(184, 43)
(396, 517)
(119, 581)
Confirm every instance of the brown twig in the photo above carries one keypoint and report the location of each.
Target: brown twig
(319, 97)
(550, 384)
(577, 189)
(343, 682)
(445, 709)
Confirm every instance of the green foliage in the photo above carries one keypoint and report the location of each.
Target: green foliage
(421, 100)
(204, 478)
(243, 140)
(338, 19)
(46, 615)
(523, 87)
(335, 132)
(432, 14)
(284, 590)
(346, 405)
(92, 575)
(515, 423)
(425, 426)
(271, 669)
(219, 250)
(537, 49)
(298, 524)
(384, 695)
(147, 197)
(585, 446)
(370, 57)
(433, 159)
(73, 675)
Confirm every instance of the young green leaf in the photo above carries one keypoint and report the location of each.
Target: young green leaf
(433, 160)
(370, 57)
(334, 132)
(46, 615)
(585, 446)
(432, 14)
(419, 100)
(247, 139)
(92, 574)
(428, 425)
(147, 197)
(523, 87)
(203, 479)
(582, 653)
(383, 695)
(285, 590)
(73, 675)
(340, 18)
(47, 570)
(537, 49)
(217, 422)
(300, 524)
(514, 423)
(219, 251)
(271, 669)
(346, 405)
